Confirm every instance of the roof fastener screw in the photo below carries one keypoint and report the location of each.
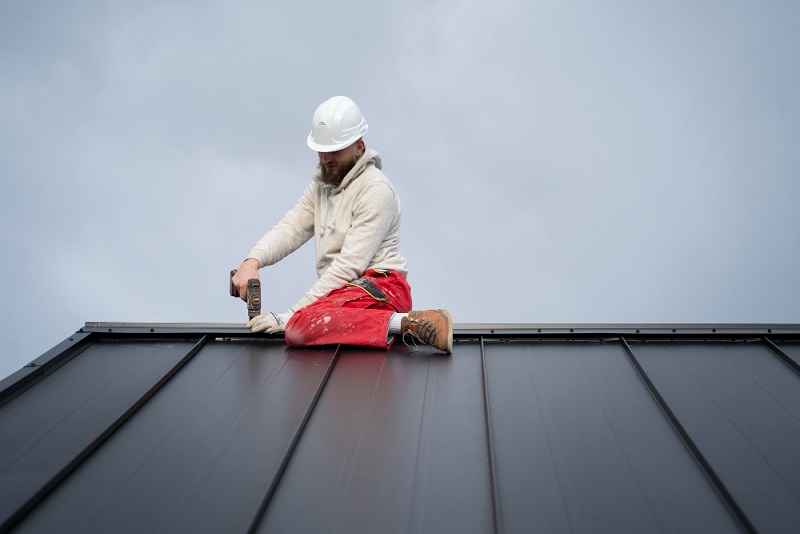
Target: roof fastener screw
(110, 330)
(673, 330)
(540, 330)
(637, 330)
(571, 330)
(714, 330)
(70, 339)
(491, 331)
(769, 330)
(152, 330)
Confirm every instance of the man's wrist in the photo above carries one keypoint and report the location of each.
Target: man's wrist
(283, 318)
(252, 262)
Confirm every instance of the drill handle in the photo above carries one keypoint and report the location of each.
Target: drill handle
(234, 289)
(253, 295)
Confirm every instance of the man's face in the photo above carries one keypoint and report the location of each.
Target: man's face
(336, 165)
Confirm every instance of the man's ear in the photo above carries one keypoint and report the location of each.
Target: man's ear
(360, 148)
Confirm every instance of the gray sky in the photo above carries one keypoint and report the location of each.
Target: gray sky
(557, 161)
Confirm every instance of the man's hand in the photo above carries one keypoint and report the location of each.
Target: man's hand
(270, 323)
(248, 270)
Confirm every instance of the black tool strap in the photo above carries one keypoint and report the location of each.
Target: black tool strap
(369, 286)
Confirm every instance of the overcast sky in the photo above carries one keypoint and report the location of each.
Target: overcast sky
(557, 161)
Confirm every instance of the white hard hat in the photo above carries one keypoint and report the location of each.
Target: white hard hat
(337, 124)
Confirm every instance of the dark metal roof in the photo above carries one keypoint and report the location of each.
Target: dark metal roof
(525, 428)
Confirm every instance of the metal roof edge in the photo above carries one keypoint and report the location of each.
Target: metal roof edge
(466, 329)
(194, 329)
(41, 366)
(670, 329)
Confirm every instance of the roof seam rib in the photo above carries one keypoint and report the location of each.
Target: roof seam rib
(290, 448)
(782, 356)
(694, 450)
(496, 518)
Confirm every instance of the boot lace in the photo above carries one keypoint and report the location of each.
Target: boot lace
(425, 332)
(414, 337)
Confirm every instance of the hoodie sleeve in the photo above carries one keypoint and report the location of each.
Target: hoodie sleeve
(296, 227)
(374, 212)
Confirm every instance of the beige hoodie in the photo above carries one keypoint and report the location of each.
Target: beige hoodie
(356, 226)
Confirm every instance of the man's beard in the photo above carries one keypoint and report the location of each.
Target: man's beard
(336, 176)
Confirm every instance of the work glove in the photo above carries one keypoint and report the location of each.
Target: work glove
(270, 323)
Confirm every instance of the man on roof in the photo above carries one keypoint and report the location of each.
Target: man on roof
(361, 296)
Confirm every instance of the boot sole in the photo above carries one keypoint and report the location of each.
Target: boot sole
(449, 348)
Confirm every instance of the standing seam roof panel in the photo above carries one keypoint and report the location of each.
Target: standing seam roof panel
(583, 446)
(396, 444)
(68, 412)
(726, 395)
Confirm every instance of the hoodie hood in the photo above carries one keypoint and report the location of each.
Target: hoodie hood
(369, 157)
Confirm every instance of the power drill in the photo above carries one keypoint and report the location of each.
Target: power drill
(253, 295)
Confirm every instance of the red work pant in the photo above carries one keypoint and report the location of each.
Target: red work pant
(350, 315)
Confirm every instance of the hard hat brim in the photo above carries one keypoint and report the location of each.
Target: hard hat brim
(331, 148)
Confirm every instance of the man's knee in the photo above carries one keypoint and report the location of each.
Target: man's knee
(294, 332)
(305, 326)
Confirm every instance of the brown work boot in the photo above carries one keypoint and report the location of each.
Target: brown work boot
(432, 327)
